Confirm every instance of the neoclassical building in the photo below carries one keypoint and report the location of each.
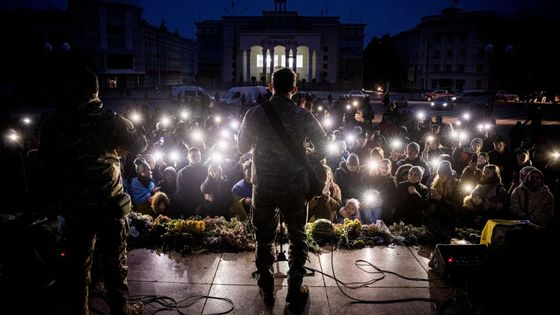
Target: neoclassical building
(247, 49)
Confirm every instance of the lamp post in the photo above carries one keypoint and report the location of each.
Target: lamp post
(235, 62)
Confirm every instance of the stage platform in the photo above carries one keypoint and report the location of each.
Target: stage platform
(229, 275)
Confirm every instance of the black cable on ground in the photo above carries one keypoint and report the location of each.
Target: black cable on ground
(159, 303)
(355, 285)
(164, 303)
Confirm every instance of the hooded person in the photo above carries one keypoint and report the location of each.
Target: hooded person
(444, 169)
(142, 187)
(472, 173)
(532, 200)
(524, 172)
(444, 197)
(522, 160)
(492, 192)
(169, 182)
(412, 197)
(159, 204)
(79, 90)
(413, 157)
(348, 177)
(402, 173)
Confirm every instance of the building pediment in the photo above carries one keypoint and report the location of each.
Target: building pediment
(274, 41)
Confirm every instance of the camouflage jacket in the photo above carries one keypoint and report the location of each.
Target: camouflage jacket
(271, 160)
(79, 152)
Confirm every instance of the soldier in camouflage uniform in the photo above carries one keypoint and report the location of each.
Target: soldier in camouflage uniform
(80, 149)
(280, 182)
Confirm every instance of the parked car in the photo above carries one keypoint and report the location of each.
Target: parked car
(435, 94)
(442, 102)
(184, 91)
(399, 101)
(356, 93)
(357, 98)
(501, 95)
(471, 98)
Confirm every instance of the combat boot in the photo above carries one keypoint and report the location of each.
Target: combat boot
(128, 309)
(266, 289)
(297, 297)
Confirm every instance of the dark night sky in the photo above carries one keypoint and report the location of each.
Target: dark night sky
(381, 16)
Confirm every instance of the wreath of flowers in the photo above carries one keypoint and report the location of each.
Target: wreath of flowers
(198, 235)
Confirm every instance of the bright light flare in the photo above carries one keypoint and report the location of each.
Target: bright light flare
(158, 155)
(197, 135)
(454, 135)
(372, 165)
(434, 163)
(463, 136)
(319, 108)
(224, 133)
(218, 119)
(13, 136)
(468, 188)
(348, 107)
(350, 138)
(556, 155)
(328, 122)
(184, 114)
(355, 103)
(26, 120)
(234, 124)
(332, 148)
(430, 138)
(136, 117)
(217, 157)
(370, 197)
(466, 116)
(421, 115)
(458, 123)
(174, 156)
(165, 121)
(396, 144)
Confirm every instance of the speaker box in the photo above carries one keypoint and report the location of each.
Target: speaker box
(458, 260)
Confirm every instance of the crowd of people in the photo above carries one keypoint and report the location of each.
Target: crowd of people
(408, 168)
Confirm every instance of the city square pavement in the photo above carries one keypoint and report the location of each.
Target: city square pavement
(229, 275)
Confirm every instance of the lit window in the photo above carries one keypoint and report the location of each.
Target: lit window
(268, 59)
(299, 61)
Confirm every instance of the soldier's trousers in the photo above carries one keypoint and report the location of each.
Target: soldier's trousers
(108, 236)
(267, 206)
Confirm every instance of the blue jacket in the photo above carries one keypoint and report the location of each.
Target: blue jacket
(139, 193)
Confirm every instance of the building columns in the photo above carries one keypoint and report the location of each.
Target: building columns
(248, 65)
(239, 66)
(271, 62)
(309, 63)
(294, 62)
(264, 53)
(315, 64)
